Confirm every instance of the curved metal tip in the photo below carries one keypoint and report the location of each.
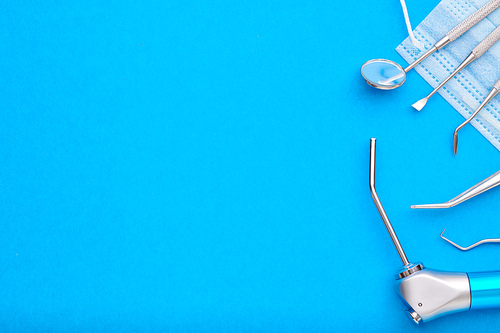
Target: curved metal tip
(455, 141)
(454, 244)
(420, 104)
(449, 241)
(488, 240)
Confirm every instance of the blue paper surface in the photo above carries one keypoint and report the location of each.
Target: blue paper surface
(203, 166)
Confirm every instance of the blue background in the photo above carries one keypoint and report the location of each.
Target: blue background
(203, 166)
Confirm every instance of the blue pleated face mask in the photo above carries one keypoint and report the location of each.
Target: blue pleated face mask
(466, 90)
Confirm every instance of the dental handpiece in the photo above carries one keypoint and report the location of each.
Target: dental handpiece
(476, 53)
(431, 294)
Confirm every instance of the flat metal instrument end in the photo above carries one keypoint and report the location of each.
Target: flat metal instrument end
(420, 104)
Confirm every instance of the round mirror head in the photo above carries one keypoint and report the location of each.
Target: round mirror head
(383, 74)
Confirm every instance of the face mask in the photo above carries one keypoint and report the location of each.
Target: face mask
(466, 90)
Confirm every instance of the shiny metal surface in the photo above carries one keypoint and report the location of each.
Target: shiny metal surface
(409, 269)
(485, 290)
(432, 294)
(378, 204)
(442, 42)
(383, 74)
(394, 82)
(419, 105)
(427, 53)
(488, 183)
(487, 240)
(487, 99)
(453, 34)
(414, 316)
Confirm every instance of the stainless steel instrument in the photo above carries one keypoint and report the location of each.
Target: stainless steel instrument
(494, 91)
(430, 294)
(476, 53)
(485, 185)
(386, 74)
(483, 241)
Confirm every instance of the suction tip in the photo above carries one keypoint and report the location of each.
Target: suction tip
(455, 142)
(420, 104)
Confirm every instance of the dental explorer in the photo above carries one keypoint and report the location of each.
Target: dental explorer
(494, 91)
(386, 74)
(482, 241)
(431, 294)
(476, 53)
(485, 185)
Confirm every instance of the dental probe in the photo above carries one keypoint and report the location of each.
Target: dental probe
(482, 241)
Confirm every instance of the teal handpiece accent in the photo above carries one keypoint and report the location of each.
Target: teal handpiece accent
(484, 289)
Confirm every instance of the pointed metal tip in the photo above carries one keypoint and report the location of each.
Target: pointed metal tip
(420, 104)
(455, 142)
(431, 206)
(442, 232)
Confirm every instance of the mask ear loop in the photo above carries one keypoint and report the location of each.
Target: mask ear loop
(418, 44)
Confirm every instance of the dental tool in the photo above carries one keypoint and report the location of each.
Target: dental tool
(386, 74)
(476, 53)
(483, 241)
(494, 91)
(485, 185)
(428, 293)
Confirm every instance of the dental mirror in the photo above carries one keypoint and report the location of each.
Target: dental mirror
(383, 74)
(386, 74)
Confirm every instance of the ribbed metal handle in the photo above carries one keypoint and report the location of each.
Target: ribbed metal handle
(488, 42)
(472, 20)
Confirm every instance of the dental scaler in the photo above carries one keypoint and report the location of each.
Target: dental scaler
(429, 293)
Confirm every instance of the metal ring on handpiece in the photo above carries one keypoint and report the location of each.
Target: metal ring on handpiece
(409, 270)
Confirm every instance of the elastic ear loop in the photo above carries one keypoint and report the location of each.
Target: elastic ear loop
(418, 44)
